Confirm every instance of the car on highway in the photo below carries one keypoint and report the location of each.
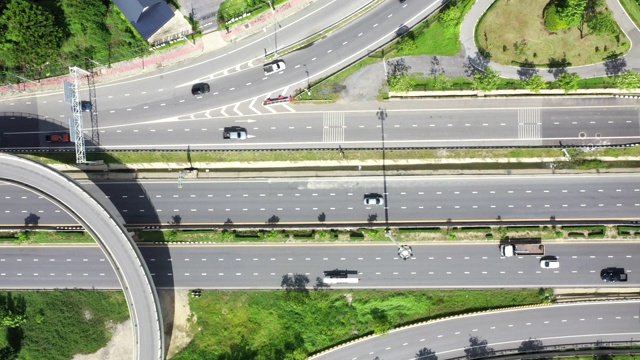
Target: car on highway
(549, 262)
(57, 138)
(234, 132)
(85, 106)
(613, 274)
(200, 88)
(274, 66)
(373, 199)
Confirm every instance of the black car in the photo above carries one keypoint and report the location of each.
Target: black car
(85, 106)
(200, 88)
(613, 274)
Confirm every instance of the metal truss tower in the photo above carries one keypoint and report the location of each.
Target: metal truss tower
(75, 123)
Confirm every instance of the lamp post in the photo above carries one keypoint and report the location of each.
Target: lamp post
(276, 25)
(308, 83)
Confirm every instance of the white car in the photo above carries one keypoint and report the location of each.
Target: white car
(373, 199)
(549, 263)
(274, 66)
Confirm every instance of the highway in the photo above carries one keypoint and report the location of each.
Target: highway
(295, 201)
(261, 266)
(235, 71)
(157, 111)
(454, 123)
(116, 245)
(525, 329)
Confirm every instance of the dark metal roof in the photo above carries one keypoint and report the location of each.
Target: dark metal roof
(147, 16)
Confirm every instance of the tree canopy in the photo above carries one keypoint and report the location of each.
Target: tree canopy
(487, 80)
(29, 35)
(535, 83)
(628, 80)
(43, 37)
(568, 82)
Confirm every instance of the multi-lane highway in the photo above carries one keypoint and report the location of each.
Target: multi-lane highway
(238, 266)
(294, 201)
(452, 123)
(235, 72)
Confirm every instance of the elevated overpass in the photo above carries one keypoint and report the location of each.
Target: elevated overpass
(118, 246)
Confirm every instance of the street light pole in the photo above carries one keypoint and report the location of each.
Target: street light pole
(276, 25)
(308, 83)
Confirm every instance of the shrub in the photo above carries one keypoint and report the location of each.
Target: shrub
(552, 20)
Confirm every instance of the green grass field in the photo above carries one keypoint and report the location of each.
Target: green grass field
(60, 324)
(435, 38)
(535, 44)
(273, 324)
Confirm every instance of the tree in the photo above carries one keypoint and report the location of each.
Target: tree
(628, 80)
(572, 11)
(407, 45)
(487, 80)
(441, 82)
(401, 83)
(568, 82)
(89, 34)
(451, 16)
(535, 83)
(29, 35)
(602, 24)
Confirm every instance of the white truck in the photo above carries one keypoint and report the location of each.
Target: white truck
(509, 250)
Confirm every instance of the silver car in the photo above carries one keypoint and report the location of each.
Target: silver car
(373, 199)
(274, 66)
(549, 262)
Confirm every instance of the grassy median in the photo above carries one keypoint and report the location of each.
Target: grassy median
(293, 156)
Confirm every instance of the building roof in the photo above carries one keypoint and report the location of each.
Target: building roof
(146, 16)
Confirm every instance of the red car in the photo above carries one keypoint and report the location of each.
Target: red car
(57, 138)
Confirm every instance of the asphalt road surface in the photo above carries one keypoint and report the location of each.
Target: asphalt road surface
(238, 266)
(477, 123)
(295, 201)
(235, 72)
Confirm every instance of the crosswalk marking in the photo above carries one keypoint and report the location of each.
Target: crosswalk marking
(333, 126)
(528, 124)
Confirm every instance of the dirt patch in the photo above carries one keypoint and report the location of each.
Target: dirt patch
(178, 325)
(364, 84)
(177, 303)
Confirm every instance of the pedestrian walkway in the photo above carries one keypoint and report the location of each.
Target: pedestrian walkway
(630, 61)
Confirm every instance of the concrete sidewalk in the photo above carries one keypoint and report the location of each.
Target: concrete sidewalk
(630, 61)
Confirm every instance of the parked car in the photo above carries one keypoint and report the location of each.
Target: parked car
(200, 88)
(274, 66)
(549, 262)
(373, 199)
(234, 132)
(86, 106)
(57, 138)
(613, 274)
